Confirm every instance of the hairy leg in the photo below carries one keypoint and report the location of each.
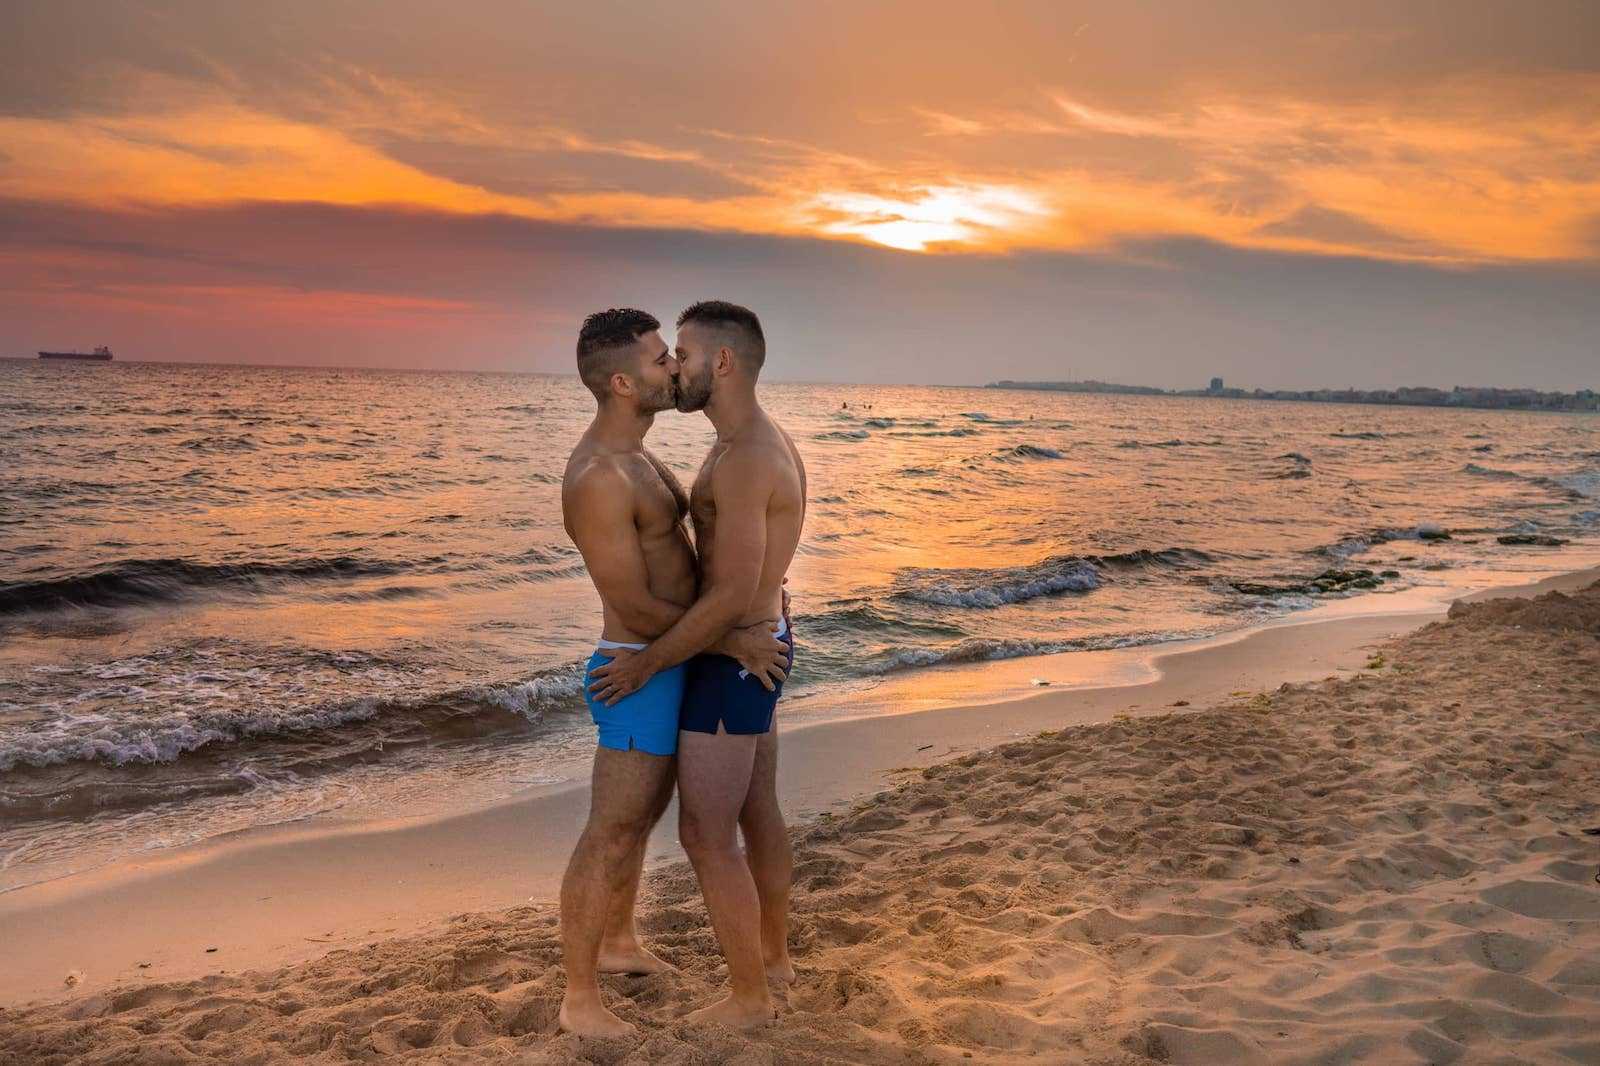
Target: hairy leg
(625, 790)
(713, 781)
(620, 950)
(767, 851)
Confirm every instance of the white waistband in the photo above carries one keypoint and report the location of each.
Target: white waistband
(608, 645)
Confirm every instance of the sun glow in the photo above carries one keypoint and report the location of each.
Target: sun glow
(933, 215)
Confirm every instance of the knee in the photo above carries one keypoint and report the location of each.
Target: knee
(614, 842)
(703, 836)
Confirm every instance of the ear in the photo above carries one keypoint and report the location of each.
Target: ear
(621, 384)
(724, 360)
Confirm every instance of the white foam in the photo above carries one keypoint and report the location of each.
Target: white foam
(1078, 578)
(530, 698)
(121, 740)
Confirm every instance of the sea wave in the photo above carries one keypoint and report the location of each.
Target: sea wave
(133, 581)
(1173, 442)
(995, 588)
(1027, 451)
(959, 431)
(968, 651)
(981, 588)
(1585, 483)
(166, 737)
(901, 423)
(1299, 469)
(1357, 543)
(1489, 471)
(980, 649)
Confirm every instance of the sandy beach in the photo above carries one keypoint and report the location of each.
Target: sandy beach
(1170, 434)
(1366, 849)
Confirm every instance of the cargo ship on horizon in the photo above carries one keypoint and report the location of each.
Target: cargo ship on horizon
(101, 354)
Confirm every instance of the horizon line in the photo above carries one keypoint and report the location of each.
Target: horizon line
(998, 383)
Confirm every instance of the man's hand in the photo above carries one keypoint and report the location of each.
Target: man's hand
(759, 651)
(624, 675)
(786, 601)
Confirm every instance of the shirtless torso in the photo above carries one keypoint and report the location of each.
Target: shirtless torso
(766, 446)
(626, 511)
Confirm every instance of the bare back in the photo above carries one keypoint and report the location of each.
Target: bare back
(625, 512)
(768, 446)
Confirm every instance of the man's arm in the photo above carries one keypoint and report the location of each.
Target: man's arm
(600, 520)
(743, 487)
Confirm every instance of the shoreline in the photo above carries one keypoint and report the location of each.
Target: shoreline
(1267, 394)
(283, 894)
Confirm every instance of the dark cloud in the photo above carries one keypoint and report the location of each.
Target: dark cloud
(1338, 228)
(1159, 312)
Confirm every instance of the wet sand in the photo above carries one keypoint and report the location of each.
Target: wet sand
(1390, 862)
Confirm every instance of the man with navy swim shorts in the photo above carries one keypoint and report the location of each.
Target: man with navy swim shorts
(625, 511)
(748, 505)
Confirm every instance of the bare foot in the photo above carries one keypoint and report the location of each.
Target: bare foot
(592, 1019)
(734, 1014)
(781, 970)
(632, 958)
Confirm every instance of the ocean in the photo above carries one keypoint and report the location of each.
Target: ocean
(235, 596)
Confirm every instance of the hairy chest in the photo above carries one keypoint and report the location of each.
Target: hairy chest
(662, 501)
(703, 498)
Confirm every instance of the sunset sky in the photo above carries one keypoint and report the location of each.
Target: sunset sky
(1285, 193)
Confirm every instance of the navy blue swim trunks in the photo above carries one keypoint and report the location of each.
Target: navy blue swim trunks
(720, 693)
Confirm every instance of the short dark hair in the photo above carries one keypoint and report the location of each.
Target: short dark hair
(740, 324)
(604, 339)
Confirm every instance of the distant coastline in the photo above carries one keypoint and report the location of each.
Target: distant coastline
(1464, 397)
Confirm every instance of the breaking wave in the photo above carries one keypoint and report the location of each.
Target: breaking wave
(136, 581)
(979, 588)
(1028, 451)
(895, 660)
(150, 739)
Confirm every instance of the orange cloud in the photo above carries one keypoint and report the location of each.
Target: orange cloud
(1476, 172)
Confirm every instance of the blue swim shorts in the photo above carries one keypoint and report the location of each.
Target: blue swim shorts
(646, 720)
(719, 692)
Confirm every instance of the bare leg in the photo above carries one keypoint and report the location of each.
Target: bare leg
(767, 851)
(713, 781)
(625, 791)
(620, 950)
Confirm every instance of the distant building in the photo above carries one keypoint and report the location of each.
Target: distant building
(1216, 385)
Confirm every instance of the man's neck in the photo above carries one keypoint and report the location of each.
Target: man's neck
(732, 410)
(621, 429)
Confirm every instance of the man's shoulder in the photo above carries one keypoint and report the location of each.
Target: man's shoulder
(758, 456)
(767, 438)
(600, 473)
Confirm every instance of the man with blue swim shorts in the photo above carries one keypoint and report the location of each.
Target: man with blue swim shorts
(748, 505)
(625, 511)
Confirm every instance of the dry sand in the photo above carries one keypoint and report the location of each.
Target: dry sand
(1393, 867)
